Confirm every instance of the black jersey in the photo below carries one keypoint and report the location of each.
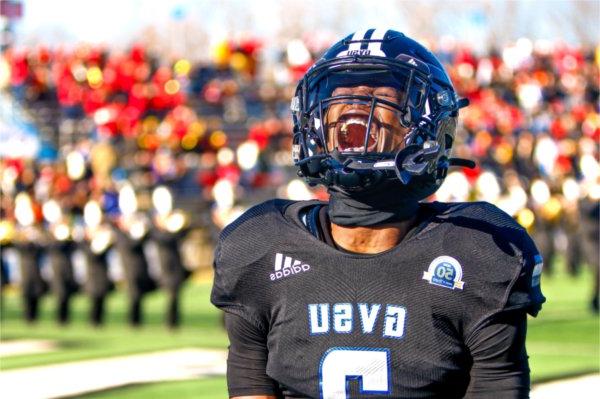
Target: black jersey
(403, 323)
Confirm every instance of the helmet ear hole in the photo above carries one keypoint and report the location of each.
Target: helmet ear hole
(449, 140)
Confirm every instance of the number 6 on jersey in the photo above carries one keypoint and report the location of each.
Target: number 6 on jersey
(370, 366)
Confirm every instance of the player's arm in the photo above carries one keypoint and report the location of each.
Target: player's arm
(247, 361)
(245, 297)
(497, 342)
(500, 364)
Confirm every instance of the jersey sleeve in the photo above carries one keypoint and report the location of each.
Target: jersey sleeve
(233, 290)
(505, 270)
(501, 266)
(505, 265)
(526, 291)
(242, 265)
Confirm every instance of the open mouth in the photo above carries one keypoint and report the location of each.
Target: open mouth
(351, 130)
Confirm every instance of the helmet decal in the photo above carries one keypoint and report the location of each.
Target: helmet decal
(365, 42)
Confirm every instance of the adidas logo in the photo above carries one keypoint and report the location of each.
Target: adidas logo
(286, 266)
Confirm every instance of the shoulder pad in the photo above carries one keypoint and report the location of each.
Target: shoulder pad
(478, 211)
(274, 206)
(483, 218)
(504, 258)
(247, 238)
(241, 267)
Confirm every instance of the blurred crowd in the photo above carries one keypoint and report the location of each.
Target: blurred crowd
(533, 127)
(142, 159)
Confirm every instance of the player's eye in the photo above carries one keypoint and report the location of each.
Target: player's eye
(386, 93)
(342, 91)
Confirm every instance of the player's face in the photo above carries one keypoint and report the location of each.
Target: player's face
(346, 121)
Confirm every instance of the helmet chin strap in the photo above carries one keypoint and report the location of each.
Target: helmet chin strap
(413, 160)
(347, 173)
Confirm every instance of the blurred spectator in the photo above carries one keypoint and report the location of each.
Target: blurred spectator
(59, 249)
(131, 234)
(169, 227)
(28, 243)
(95, 240)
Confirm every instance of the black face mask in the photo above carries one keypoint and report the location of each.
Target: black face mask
(385, 203)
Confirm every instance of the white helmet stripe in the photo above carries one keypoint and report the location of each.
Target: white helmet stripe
(375, 47)
(379, 34)
(359, 35)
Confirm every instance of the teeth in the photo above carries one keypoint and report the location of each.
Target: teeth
(351, 121)
(359, 121)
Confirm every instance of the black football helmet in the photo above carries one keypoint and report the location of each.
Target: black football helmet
(377, 106)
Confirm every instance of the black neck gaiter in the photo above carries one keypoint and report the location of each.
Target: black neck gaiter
(387, 202)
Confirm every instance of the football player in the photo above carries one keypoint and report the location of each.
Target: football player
(375, 293)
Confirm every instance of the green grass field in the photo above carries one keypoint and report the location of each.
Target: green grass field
(201, 327)
(562, 341)
(565, 338)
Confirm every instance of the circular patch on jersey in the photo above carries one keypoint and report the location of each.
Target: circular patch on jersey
(444, 271)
